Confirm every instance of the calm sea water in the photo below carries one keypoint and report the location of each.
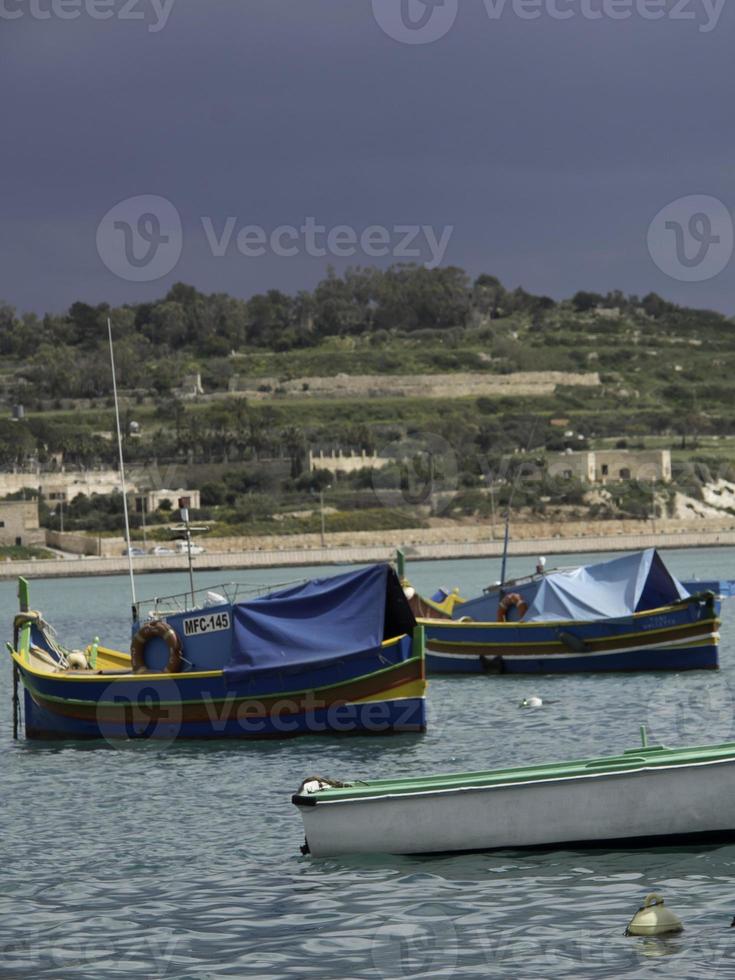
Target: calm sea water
(184, 862)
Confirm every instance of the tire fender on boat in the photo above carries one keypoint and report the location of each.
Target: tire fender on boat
(156, 628)
(512, 599)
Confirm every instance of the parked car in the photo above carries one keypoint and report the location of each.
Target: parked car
(196, 549)
(135, 552)
(161, 549)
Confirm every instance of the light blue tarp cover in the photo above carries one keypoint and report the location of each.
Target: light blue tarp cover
(609, 589)
(313, 622)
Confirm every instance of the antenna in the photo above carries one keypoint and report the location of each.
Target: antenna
(122, 471)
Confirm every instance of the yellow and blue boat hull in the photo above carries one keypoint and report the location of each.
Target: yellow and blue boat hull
(681, 636)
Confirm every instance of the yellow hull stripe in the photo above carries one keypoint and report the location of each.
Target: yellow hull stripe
(412, 689)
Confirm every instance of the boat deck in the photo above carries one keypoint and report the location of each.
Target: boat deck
(108, 662)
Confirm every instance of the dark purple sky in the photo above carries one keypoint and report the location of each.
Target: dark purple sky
(548, 145)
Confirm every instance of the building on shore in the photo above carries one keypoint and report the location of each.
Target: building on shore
(613, 466)
(339, 462)
(19, 523)
(152, 500)
(61, 485)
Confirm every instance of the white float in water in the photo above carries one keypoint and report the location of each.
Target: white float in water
(534, 701)
(654, 919)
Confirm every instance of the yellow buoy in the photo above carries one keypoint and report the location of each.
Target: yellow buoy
(654, 919)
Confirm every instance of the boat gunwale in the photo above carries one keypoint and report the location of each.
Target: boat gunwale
(556, 623)
(542, 774)
(147, 678)
(99, 677)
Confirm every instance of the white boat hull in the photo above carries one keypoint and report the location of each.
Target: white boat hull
(679, 800)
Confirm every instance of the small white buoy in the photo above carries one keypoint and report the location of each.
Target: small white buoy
(76, 660)
(409, 592)
(654, 919)
(534, 701)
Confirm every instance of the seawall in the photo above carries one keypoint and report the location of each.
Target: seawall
(280, 555)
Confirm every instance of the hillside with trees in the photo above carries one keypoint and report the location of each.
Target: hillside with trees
(664, 371)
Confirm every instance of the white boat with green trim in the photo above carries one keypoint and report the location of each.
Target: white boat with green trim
(646, 794)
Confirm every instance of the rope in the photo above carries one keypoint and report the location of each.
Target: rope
(323, 781)
(34, 618)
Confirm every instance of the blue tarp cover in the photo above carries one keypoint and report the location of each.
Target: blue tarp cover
(619, 587)
(312, 622)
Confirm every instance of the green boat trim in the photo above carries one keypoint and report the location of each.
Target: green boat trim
(634, 760)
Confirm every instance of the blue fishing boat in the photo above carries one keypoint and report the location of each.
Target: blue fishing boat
(627, 614)
(336, 655)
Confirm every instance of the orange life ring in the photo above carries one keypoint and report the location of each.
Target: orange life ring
(156, 627)
(512, 599)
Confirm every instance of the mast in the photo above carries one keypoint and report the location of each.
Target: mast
(122, 474)
(514, 487)
(505, 547)
(184, 510)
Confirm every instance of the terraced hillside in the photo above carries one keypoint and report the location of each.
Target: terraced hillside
(230, 396)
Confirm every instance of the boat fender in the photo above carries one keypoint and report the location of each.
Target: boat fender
(512, 599)
(533, 701)
(23, 619)
(654, 919)
(149, 630)
(574, 643)
(492, 665)
(77, 661)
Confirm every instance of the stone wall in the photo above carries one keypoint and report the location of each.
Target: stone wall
(459, 385)
(71, 483)
(80, 543)
(449, 534)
